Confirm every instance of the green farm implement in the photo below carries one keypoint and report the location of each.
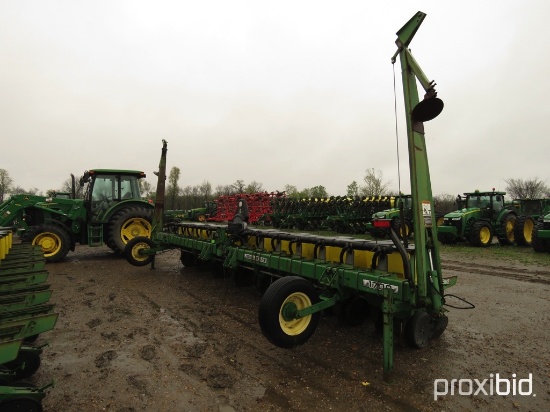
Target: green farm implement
(24, 314)
(112, 212)
(302, 274)
(483, 215)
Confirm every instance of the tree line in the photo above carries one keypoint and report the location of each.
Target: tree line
(189, 197)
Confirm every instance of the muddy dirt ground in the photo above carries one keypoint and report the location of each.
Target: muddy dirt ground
(181, 339)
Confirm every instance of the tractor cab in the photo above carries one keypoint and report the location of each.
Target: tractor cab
(488, 203)
(105, 188)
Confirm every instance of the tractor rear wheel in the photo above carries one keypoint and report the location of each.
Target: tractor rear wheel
(539, 245)
(54, 240)
(279, 303)
(523, 230)
(127, 224)
(482, 234)
(508, 224)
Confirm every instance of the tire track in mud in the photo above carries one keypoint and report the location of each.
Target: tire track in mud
(523, 275)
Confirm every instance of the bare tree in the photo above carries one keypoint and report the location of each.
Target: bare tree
(254, 187)
(5, 183)
(445, 203)
(206, 190)
(526, 189)
(224, 190)
(374, 183)
(173, 190)
(239, 186)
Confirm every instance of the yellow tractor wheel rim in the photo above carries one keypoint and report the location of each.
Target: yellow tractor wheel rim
(49, 242)
(295, 327)
(510, 229)
(202, 218)
(137, 248)
(528, 230)
(135, 227)
(485, 235)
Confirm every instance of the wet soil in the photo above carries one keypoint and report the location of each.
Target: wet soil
(182, 339)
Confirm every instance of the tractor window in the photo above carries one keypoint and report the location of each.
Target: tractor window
(129, 188)
(104, 188)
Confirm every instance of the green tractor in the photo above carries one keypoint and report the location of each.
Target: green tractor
(481, 216)
(541, 235)
(529, 212)
(112, 212)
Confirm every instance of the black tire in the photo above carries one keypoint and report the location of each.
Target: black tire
(25, 365)
(285, 292)
(54, 240)
(482, 234)
(403, 231)
(127, 224)
(21, 405)
(508, 223)
(419, 329)
(188, 259)
(540, 245)
(133, 248)
(523, 230)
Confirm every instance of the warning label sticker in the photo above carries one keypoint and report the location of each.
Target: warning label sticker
(427, 213)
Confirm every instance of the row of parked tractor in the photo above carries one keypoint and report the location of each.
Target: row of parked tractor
(479, 217)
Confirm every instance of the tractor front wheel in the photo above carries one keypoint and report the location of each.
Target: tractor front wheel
(127, 224)
(54, 240)
(278, 307)
(482, 234)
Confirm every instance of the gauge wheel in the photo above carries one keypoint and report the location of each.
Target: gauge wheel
(277, 308)
(419, 329)
(134, 248)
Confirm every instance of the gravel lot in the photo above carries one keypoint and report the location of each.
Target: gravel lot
(180, 339)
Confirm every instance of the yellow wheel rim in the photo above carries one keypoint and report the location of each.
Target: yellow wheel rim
(135, 227)
(295, 327)
(49, 242)
(202, 218)
(137, 248)
(528, 230)
(485, 235)
(510, 229)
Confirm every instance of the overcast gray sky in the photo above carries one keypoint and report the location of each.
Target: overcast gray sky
(280, 92)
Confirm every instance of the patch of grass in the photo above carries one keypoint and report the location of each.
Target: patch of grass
(517, 254)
